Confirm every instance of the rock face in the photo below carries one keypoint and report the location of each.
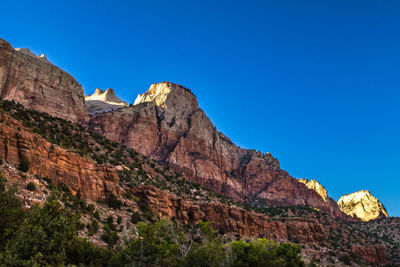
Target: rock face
(103, 101)
(18, 143)
(372, 254)
(232, 219)
(167, 124)
(362, 204)
(316, 186)
(37, 84)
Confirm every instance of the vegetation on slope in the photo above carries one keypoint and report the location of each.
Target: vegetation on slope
(48, 235)
(136, 169)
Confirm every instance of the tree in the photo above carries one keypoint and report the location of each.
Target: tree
(23, 165)
(45, 237)
(11, 213)
(157, 244)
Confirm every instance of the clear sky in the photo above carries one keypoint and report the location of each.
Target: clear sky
(316, 83)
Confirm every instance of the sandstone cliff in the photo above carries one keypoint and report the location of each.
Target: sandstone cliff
(316, 186)
(167, 124)
(18, 144)
(362, 204)
(103, 101)
(37, 84)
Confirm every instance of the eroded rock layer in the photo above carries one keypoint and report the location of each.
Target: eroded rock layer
(18, 144)
(37, 84)
(167, 124)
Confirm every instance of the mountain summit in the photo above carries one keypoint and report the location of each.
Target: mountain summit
(363, 205)
(103, 101)
(169, 96)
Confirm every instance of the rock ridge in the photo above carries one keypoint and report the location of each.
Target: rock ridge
(166, 124)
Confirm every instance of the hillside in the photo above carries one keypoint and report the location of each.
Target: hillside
(147, 190)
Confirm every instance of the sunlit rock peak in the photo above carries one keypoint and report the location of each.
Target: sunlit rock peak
(363, 205)
(316, 186)
(103, 101)
(169, 96)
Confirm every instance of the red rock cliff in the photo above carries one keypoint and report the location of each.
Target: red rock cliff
(37, 84)
(18, 143)
(167, 124)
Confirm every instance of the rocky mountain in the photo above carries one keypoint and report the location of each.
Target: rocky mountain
(316, 186)
(37, 84)
(103, 101)
(362, 204)
(167, 124)
(121, 184)
(163, 158)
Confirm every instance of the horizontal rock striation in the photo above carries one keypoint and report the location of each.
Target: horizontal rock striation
(18, 144)
(231, 219)
(37, 84)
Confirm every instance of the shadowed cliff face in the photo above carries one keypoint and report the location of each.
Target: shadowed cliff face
(37, 84)
(167, 124)
(363, 205)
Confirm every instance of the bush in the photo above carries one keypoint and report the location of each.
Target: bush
(113, 202)
(346, 259)
(23, 165)
(110, 237)
(93, 228)
(31, 186)
(147, 211)
(135, 217)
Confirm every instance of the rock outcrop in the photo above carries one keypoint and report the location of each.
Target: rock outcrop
(167, 124)
(18, 144)
(232, 219)
(363, 205)
(316, 186)
(372, 254)
(37, 84)
(103, 101)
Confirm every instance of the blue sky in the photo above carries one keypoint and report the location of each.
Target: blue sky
(316, 83)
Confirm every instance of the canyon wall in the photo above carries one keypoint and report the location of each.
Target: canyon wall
(37, 84)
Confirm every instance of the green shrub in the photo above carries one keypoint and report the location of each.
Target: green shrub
(135, 217)
(31, 186)
(110, 236)
(23, 165)
(93, 227)
(113, 202)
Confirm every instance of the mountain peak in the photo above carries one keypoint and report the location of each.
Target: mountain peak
(169, 96)
(103, 101)
(363, 205)
(316, 186)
